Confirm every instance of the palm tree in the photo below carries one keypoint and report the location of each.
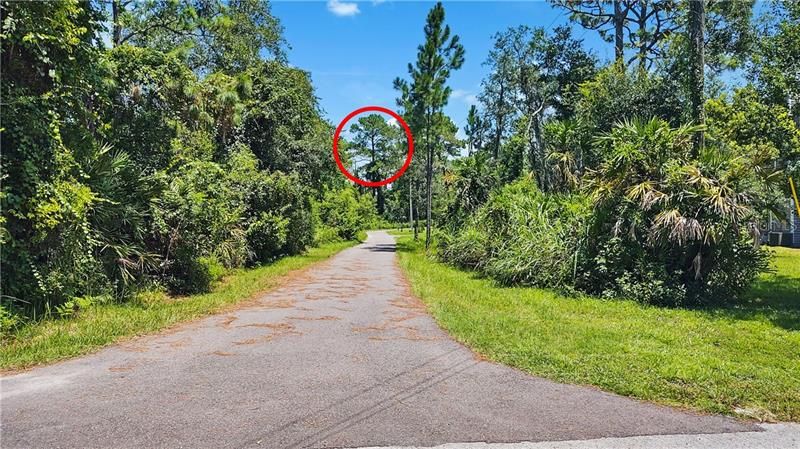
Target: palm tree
(652, 192)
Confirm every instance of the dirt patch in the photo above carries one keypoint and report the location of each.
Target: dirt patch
(410, 334)
(133, 347)
(384, 332)
(222, 353)
(227, 320)
(315, 318)
(279, 330)
(266, 325)
(122, 368)
(281, 303)
(179, 343)
(409, 303)
(379, 328)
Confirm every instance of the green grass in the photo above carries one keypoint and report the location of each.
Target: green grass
(54, 339)
(740, 360)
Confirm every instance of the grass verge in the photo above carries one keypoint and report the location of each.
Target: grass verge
(54, 339)
(740, 360)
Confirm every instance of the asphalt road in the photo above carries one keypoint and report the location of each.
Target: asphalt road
(339, 356)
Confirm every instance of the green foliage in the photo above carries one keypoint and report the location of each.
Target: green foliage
(665, 228)
(774, 64)
(522, 236)
(227, 36)
(170, 158)
(152, 93)
(345, 212)
(471, 180)
(78, 304)
(749, 126)
(282, 125)
(668, 228)
(739, 359)
(9, 321)
(617, 94)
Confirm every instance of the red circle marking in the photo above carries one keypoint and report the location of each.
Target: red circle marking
(386, 181)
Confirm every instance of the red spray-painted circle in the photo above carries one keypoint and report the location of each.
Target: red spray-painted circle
(386, 181)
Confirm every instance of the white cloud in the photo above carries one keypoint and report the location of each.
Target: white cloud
(391, 121)
(343, 9)
(465, 96)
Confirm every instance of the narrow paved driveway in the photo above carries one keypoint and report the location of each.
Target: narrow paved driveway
(340, 356)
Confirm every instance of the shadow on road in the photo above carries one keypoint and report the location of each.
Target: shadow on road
(382, 248)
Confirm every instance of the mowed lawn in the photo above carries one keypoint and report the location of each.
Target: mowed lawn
(54, 339)
(740, 360)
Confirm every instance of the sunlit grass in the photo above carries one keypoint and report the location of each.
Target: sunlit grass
(54, 339)
(743, 359)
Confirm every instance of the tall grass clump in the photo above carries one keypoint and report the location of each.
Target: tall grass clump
(654, 221)
(522, 236)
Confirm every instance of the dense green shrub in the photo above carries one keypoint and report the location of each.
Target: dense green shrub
(158, 161)
(198, 216)
(276, 208)
(466, 248)
(9, 320)
(326, 234)
(660, 225)
(468, 184)
(347, 212)
(267, 235)
(522, 236)
(194, 274)
(233, 213)
(669, 226)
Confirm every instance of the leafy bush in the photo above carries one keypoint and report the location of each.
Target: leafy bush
(326, 234)
(670, 227)
(347, 212)
(285, 196)
(522, 236)
(198, 216)
(133, 166)
(469, 182)
(468, 248)
(267, 236)
(79, 303)
(8, 321)
(666, 226)
(276, 208)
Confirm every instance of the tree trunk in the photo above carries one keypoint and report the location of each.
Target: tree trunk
(116, 11)
(416, 216)
(697, 13)
(539, 159)
(411, 207)
(381, 201)
(429, 194)
(642, 46)
(619, 32)
(500, 119)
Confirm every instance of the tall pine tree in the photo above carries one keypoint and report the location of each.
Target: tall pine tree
(428, 93)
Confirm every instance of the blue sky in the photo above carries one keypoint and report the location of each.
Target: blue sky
(355, 50)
